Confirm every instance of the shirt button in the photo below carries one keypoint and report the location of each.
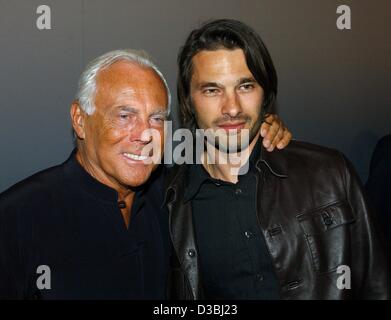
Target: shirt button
(248, 234)
(191, 253)
(238, 191)
(259, 277)
(121, 204)
(327, 219)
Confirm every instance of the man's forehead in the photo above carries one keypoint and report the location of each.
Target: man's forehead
(218, 54)
(126, 83)
(126, 93)
(209, 66)
(125, 71)
(130, 95)
(130, 75)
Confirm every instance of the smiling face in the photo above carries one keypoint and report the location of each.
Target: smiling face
(226, 96)
(130, 100)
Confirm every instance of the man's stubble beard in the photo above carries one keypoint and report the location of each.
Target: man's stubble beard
(238, 147)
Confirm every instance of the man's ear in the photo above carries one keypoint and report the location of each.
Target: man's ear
(78, 119)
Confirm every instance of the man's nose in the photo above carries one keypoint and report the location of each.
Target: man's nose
(142, 132)
(231, 105)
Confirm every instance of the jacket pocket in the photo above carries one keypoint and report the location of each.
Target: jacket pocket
(327, 233)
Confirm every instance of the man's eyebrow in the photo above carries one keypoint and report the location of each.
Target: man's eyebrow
(205, 84)
(246, 80)
(128, 109)
(208, 84)
(161, 112)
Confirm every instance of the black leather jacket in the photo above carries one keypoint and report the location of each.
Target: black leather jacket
(314, 217)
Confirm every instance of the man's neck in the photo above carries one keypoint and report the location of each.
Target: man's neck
(228, 169)
(125, 195)
(123, 191)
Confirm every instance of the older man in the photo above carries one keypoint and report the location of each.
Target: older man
(93, 227)
(86, 228)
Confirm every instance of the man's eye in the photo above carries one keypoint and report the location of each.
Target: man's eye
(158, 119)
(246, 87)
(124, 116)
(211, 91)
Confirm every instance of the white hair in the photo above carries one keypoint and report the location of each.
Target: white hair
(87, 82)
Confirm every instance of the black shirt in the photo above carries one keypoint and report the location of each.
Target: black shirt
(235, 262)
(65, 219)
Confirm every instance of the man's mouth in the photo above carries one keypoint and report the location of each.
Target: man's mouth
(136, 157)
(232, 126)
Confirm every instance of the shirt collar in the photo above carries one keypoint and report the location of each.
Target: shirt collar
(80, 178)
(197, 174)
(276, 161)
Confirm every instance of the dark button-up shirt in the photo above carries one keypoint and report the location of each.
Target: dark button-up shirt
(65, 220)
(235, 262)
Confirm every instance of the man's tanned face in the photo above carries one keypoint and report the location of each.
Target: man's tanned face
(130, 100)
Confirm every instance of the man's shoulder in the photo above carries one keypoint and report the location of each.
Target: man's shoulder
(384, 145)
(297, 155)
(308, 159)
(386, 140)
(32, 189)
(313, 152)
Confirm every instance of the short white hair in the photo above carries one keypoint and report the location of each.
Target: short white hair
(87, 82)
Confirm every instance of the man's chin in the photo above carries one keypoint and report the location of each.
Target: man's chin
(138, 177)
(135, 183)
(231, 144)
(226, 148)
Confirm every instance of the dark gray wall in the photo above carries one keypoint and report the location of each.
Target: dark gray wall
(334, 85)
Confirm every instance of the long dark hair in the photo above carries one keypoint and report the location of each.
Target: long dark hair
(229, 34)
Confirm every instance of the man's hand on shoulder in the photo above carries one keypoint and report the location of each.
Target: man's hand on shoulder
(274, 133)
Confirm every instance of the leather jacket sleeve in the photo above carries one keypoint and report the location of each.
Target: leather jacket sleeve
(368, 252)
